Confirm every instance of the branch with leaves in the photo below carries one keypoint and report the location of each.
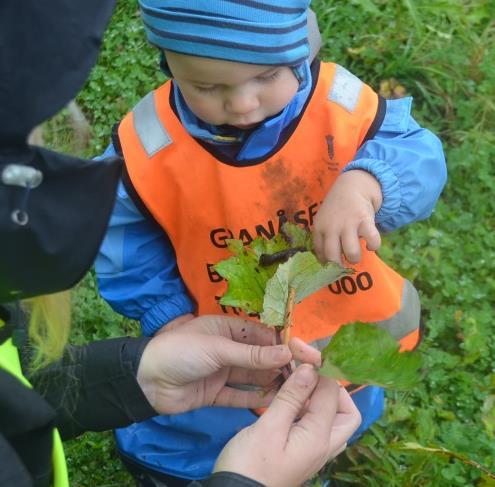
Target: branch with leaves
(270, 277)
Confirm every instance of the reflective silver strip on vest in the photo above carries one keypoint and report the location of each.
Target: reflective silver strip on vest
(404, 322)
(346, 89)
(149, 128)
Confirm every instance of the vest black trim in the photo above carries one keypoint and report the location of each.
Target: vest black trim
(377, 122)
(136, 199)
(126, 180)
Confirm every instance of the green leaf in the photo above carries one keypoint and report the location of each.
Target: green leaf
(276, 244)
(306, 275)
(365, 354)
(297, 236)
(246, 279)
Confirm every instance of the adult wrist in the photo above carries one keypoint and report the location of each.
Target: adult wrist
(145, 379)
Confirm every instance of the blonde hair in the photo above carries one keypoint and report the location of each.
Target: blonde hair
(49, 327)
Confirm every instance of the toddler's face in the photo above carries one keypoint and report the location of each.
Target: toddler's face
(225, 92)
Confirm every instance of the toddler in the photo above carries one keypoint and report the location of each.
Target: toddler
(253, 130)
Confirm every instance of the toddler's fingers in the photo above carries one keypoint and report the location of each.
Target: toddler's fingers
(318, 241)
(333, 249)
(351, 246)
(369, 232)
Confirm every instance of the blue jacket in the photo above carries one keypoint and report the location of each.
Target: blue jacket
(138, 276)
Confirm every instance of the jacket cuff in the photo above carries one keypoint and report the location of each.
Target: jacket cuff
(110, 384)
(164, 312)
(227, 479)
(94, 387)
(134, 398)
(390, 185)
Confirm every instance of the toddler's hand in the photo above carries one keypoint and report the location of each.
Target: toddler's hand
(346, 215)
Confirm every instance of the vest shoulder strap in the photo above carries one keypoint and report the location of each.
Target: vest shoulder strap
(345, 89)
(149, 128)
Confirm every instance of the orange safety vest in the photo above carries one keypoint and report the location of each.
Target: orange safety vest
(200, 202)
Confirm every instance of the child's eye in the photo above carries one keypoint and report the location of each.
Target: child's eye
(205, 89)
(270, 77)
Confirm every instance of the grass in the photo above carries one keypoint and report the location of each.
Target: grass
(441, 52)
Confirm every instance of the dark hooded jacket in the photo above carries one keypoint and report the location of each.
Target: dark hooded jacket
(54, 210)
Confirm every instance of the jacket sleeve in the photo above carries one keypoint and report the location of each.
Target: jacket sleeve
(136, 268)
(409, 163)
(94, 387)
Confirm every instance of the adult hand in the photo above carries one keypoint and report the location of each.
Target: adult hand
(192, 364)
(279, 452)
(346, 215)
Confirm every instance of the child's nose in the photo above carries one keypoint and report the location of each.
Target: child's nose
(242, 102)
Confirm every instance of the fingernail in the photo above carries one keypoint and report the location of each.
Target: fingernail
(304, 375)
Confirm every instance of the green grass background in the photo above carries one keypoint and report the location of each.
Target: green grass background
(441, 52)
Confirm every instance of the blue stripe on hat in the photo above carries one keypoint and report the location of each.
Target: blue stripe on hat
(236, 30)
(270, 6)
(250, 56)
(200, 18)
(237, 9)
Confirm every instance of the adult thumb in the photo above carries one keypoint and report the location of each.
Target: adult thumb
(255, 357)
(291, 399)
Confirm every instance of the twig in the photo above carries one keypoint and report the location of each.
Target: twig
(447, 453)
(288, 316)
(282, 336)
(285, 372)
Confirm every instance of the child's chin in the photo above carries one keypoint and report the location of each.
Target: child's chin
(246, 126)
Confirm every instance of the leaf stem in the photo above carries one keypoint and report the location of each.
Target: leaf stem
(288, 316)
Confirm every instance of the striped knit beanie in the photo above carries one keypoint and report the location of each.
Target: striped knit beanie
(267, 32)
